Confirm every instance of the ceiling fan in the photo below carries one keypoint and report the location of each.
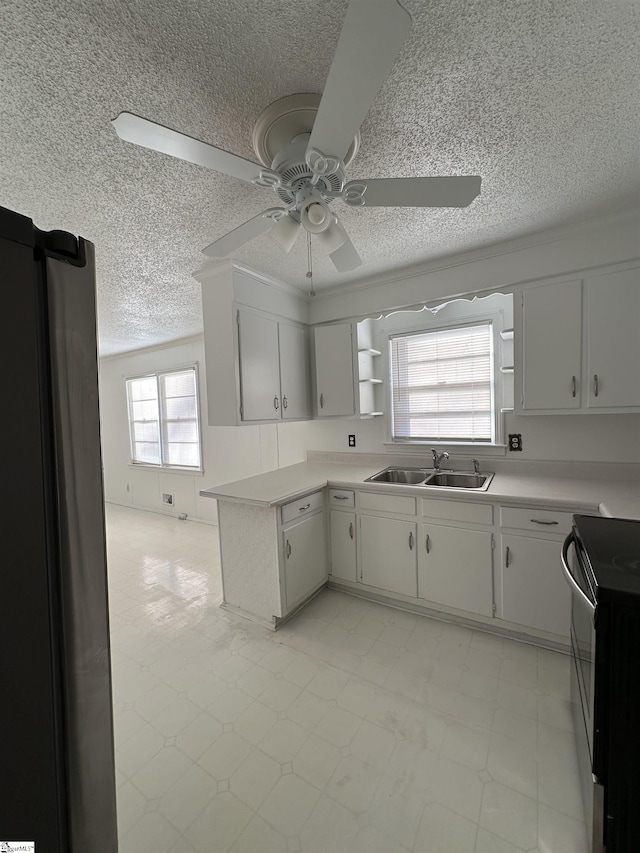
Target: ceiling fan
(305, 142)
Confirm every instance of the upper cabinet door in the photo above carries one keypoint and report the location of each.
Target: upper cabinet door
(259, 367)
(613, 339)
(551, 346)
(294, 371)
(334, 370)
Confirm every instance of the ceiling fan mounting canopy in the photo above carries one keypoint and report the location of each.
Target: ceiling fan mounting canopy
(305, 141)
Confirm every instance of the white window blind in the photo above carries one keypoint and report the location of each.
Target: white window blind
(164, 420)
(442, 385)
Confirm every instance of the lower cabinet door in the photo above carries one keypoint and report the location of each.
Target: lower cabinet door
(534, 592)
(343, 546)
(388, 550)
(305, 558)
(455, 568)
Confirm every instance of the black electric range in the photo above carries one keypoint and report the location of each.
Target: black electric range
(604, 576)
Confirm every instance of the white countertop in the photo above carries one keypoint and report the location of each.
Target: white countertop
(608, 497)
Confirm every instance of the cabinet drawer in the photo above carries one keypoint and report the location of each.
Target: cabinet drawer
(541, 520)
(341, 498)
(387, 503)
(303, 506)
(475, 513)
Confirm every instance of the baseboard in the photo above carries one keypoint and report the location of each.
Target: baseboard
(166, 513)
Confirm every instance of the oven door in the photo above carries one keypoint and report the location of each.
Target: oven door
(583, 646)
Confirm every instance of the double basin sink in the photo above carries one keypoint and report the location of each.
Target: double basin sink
(429, 477)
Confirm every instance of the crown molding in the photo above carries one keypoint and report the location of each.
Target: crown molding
(505, 247)
(217, 266)
(176, 342)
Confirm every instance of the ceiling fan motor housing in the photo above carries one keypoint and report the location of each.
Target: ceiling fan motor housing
(291, 165)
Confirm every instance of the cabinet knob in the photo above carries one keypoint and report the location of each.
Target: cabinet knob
(411, 541)
(507, 555)
(595, 384)
(427, 544)
(351, 530)
(302, 508)
(573, 386)
(276, 403)
(285, 402)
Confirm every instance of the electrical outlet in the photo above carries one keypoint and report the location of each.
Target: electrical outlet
(167, 498)
(352, 441)
(515, 441)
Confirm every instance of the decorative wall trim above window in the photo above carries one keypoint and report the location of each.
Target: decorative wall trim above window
(442, 385)
(164, 419)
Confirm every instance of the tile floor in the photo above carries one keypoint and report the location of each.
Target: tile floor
(356, 728)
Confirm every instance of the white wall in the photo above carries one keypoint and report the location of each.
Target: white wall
(229, 453)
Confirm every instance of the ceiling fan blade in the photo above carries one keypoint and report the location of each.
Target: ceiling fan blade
(148, 134)
(242, 234)
(413, 192)
(371, 38)
(346, 257)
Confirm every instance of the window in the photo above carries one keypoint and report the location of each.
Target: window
(164, 420)
(442, 385)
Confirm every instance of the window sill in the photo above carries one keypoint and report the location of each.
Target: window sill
(458, 448)
(195, 472)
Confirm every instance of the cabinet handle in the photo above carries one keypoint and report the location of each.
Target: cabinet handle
(539, 521)
(573, 386)
(595, 384)
(276, 403)
(302, 508)
(427, 544)
(288, 549)
(322, 401)
(411, 541)
(351, 530)
(285, 402)
(340, 497)
(507, 554)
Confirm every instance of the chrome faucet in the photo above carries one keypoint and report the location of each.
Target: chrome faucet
(476, 466)
(438, 457)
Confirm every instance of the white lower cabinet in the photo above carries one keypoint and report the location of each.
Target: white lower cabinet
(305, 558)
(343, 546)
(455, 568)
(534, 592)
(388, 554)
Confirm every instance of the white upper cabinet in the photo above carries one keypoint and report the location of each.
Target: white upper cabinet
(334, 370)
(259, 366)
(551, 346)
(274, 368)
(579, 347)
(294, 371)
(613, 339)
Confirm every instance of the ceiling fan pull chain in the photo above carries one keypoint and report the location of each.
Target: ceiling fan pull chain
(312, 291)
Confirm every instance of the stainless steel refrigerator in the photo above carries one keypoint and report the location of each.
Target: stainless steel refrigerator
(57, 775)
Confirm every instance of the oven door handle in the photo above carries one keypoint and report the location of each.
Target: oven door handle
(573, 584)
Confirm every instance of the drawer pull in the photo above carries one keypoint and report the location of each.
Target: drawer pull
(427, 544)
(573, 386)
(275, 403)
(351, 530)
(595, 384)
(507, 555)
(322, 401)
(302, 508)
(548, 523)
(285, 402)
(341, 497)
(411, 541)
(288, 549)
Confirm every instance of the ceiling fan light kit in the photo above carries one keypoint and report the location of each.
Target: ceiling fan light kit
(305, 141)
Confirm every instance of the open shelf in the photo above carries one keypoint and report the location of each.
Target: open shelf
(506, 334)
(508, 369)
(372, 381)
(370, 351)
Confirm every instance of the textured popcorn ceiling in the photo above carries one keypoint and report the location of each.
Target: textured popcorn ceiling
(540, 97)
